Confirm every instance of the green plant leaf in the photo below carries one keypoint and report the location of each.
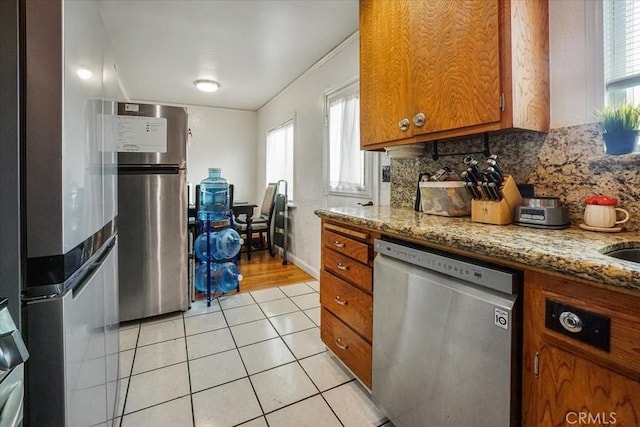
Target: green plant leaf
(619, 118)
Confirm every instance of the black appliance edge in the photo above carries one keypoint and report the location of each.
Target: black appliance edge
(56, 269)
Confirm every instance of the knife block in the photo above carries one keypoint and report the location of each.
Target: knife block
(498, 212)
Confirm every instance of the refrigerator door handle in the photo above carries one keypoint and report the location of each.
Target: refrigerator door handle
(85, 277)
(149, 170)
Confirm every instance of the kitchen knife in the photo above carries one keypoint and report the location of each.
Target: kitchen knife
(488, 191)
(473, 190)
(476, 177)
(476, 170)
(493, 187)
(465, 178)
(482, 179)
(470, 185)
(495, 166)
(483, 189)
(493, 176)
(468, 160)
(496, 189)
(473, 176)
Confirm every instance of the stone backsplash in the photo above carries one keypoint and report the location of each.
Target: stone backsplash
(566, 162)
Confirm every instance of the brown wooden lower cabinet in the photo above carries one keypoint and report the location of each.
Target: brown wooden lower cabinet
(346, 295)
(568, 382)
(352, 349)
(571, 389)
(348, 303)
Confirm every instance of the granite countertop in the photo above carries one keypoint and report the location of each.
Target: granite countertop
(571, 251)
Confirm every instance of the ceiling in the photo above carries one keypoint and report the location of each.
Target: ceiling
(254, 48)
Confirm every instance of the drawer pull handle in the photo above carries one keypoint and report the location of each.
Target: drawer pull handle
(338, 244)
(339, 344)
(342, 267)
(340, 300)
(571, 322)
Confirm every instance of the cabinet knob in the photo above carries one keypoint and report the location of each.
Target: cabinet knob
(403, 125)
(338, 244)
(340, 300)
(418, 119)
(571, 321)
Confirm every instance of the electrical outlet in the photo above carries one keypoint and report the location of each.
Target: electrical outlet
(386, 174)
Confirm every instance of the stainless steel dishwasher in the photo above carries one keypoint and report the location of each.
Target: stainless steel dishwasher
(446, 338)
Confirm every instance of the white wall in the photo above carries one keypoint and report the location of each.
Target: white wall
(576, 61)
(225, 139)
(304, 100)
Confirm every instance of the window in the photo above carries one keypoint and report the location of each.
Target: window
(622, 51)
(280, 155)
(348, 168)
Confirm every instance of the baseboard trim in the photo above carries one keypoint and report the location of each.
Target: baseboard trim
(304, 266)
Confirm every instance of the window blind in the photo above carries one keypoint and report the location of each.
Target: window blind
(621, 44)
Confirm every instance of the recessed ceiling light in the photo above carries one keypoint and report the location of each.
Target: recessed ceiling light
(207, 85)
(84, 74)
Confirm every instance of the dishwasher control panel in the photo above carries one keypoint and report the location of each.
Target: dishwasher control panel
(440, 262)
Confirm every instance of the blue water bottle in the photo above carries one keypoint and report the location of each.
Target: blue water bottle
(224, 244)
(224, 277)
(227, 277)
(214, 196)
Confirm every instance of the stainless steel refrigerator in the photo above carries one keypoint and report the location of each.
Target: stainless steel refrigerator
(152, 200)
(68, 205)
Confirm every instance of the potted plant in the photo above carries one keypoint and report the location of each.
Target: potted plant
(620, 125)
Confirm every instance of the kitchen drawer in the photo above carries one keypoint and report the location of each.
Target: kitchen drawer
(354, 351)
(346, 246)
(356, 233)
(351, 305)
(348, 269)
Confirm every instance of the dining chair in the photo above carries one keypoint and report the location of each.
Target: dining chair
(261, 224)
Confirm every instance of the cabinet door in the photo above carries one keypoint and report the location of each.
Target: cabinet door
(455, 53)
(385, 95)
(572, 390)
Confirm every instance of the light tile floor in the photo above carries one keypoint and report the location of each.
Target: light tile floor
(252, 359)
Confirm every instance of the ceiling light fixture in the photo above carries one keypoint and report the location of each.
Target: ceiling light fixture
(84, 74)
(207, 85)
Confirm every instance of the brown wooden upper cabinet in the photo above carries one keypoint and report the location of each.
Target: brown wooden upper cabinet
(437, 69)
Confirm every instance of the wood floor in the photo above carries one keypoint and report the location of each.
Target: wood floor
(264, 272)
